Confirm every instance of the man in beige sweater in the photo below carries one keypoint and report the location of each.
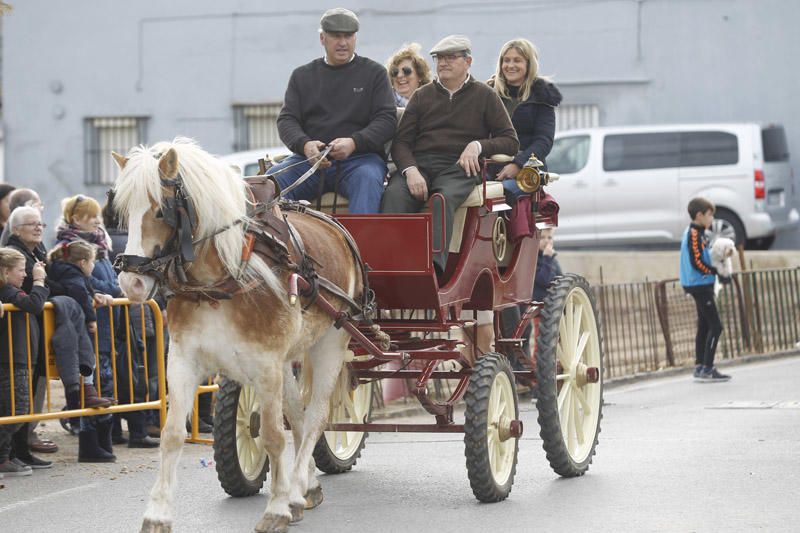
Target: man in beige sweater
(447, 127)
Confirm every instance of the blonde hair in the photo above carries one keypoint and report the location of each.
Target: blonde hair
(80, 206)
(9, 258)
(527, 50)
(410, 52)
(73, 252)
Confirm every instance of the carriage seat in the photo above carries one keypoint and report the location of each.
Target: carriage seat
(494, 191)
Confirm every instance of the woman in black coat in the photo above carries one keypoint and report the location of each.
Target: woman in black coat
(530, 101)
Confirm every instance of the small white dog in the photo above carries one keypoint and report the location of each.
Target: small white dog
(722, 259)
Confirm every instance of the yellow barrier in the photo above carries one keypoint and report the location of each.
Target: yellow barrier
(51, 372)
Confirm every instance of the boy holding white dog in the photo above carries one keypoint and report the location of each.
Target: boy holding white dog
(697, 276)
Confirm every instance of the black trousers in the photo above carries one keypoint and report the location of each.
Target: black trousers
(709, 326)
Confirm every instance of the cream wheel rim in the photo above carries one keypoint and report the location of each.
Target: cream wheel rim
(348, 406)
(250, 449)
(499, 414)
(578, 350)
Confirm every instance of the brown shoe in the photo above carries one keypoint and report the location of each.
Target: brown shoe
(40, 445)
(92, 399)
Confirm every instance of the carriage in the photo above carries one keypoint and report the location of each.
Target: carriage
(490, 268)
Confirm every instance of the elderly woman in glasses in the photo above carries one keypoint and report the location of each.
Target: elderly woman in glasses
(530, 101)
(407, 72)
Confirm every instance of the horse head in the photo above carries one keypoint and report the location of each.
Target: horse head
(184, 211)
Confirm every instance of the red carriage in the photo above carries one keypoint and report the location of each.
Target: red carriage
(487, 270)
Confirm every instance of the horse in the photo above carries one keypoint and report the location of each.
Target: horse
(231, 311)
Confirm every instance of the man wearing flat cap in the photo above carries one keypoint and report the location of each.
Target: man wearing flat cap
(447, 126)
(344, 101)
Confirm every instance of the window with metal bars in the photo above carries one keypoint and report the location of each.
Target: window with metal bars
(101, 135)
(573, 116)
(256, 126)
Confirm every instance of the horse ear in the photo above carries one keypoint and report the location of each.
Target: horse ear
(120, 159)
(168, 164)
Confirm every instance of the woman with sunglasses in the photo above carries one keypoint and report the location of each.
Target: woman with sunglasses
(407, 72)
(530, 100)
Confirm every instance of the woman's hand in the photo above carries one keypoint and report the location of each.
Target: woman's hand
(509, 172)
(38, 272)
(92, 327)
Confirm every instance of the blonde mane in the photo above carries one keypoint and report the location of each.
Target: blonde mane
(218, 193)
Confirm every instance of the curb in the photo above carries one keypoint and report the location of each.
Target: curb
(411, 408)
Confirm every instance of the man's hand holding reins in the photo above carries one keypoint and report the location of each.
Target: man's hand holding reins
(312, 150)
(342, 148)
(469, 159)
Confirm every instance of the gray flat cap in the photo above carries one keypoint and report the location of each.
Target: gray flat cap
(339, 19)
(452, 44)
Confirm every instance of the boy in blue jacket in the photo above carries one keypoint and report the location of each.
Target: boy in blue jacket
(697, 278)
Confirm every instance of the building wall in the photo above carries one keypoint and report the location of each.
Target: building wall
(184, 63)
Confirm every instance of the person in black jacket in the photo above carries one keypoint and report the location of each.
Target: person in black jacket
(12, 275)
(341, 100)
(530, 101)
(71, 265)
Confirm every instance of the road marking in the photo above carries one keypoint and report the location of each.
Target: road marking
(23, 503)
(757, 405)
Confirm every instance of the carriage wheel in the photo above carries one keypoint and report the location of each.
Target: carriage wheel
(569, 368)
(240, 456)
(337, 451)
(491, 433)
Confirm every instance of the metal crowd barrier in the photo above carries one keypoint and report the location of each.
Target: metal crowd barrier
(651, 325)
(51, 372)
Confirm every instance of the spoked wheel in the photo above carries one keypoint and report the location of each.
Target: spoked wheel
(569, 362)
(491, 428)
(351, 403)
(240, 456)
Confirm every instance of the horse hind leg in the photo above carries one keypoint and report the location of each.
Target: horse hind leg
(326, 358)
(277, 515)
(293, 410)
(183, 379)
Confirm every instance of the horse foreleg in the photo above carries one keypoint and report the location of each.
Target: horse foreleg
(277, 514)
(183, 379)
(326, 358)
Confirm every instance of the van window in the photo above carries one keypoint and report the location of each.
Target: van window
(569, 154)
(637, 151)
(773, 139)
(706, 148)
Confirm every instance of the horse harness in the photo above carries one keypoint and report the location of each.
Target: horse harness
(266, 234)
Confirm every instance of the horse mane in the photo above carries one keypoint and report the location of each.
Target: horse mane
(218, 193)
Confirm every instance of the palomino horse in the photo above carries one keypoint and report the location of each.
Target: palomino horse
(187, 228)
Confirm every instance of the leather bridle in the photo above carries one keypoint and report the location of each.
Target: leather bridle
(177, 212)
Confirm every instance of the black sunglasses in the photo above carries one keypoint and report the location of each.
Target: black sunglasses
(407, 71)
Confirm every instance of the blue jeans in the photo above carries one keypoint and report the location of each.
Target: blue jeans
(360, 180)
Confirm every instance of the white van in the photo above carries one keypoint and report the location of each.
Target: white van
(247, 161)
(631, 185)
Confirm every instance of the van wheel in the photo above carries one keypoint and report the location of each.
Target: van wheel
(726, 224)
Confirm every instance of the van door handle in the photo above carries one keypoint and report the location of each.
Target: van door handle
(610, 182)
(580, 184)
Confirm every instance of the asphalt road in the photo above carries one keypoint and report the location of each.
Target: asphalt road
(673, 456)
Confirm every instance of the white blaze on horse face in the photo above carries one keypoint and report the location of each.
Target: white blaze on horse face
(135, 286)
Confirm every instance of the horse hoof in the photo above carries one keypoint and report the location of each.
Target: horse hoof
(273, 523)
(314, 497)
(155, 526)
(297, 512)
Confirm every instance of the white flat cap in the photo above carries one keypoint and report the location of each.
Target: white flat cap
(452, 44)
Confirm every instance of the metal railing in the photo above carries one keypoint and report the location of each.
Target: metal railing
(51, 371)
(649, 326)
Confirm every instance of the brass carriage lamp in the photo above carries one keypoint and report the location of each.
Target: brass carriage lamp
(530, 178)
